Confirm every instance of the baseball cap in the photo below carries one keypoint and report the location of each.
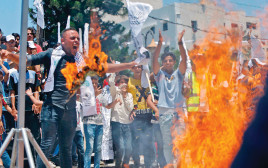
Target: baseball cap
(10, 37)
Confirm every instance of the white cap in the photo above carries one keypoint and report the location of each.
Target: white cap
(31, 44)
(10, 37)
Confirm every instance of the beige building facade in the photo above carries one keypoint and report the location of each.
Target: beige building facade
(196, 18)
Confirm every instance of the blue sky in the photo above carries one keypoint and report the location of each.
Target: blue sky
(10, 11)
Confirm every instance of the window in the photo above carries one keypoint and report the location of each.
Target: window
(178, 18)
(251, 25)
(234, 25)
(153, 29)
(165, 26)
(194, 26)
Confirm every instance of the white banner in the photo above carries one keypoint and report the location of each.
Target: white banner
(40, 13)
(81, 41)
(68, 22)
(59, 41)
(257, 52)
(137, 13)
(86, 47)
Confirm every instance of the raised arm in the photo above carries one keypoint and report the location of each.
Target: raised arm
(40, 58)
(120, 67)
(9, 55)
(36, 101)
(183, 65)
(156, 65)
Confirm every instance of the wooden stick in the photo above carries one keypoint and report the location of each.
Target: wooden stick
(150, 87)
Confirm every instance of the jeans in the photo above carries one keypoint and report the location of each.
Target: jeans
(142, 135)
(5, 157)
(122, 141)
(93, 138)
(62, 122)
(166, 122)
(74, 153)
(157, 134)
(79, 144)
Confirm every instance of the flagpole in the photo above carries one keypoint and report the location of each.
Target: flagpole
(22, 76)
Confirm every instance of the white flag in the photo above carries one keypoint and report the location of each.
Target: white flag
(144, 79)
(257, 51)
(68, 22)
(137, 13)
(40, 13)
(86, 47)
(59, 38)
(81, 42)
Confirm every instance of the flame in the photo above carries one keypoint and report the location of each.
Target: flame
(96, 60)
(212, 139)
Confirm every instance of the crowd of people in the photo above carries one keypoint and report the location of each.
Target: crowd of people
(116, 119)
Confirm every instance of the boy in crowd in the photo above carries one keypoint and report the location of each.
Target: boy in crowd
(122, 107)
(93, 119)
(141, 127)
(169, 83)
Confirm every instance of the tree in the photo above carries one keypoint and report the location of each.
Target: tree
(79, 10)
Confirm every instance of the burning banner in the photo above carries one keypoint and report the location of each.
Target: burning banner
(93, 63)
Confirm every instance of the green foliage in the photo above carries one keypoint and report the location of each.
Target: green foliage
(79, 10)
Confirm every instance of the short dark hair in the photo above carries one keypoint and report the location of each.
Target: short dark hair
(65, 30)
(124, 77)
(32, 30)
(15, 35)
(168, 54)
(95, 78)
(3, 39)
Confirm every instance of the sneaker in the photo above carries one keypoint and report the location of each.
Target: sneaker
(102, 162)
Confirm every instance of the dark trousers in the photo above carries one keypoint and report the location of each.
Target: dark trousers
(61, 122)
(78, 145)
(142, 139)
(122, 141)
(33, 123)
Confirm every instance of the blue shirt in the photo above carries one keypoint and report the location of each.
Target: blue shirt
(170, 89)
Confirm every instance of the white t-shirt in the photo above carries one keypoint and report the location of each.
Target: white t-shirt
(88, 98)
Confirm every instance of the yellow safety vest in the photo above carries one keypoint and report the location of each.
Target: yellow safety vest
(193, 101)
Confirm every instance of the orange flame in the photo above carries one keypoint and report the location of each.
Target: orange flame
(96, 60)
(212, 139)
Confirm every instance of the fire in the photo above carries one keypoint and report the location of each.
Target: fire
(213, 138)
(96, 60)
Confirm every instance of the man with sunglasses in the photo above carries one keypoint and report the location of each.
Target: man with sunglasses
(141, 127)
(169, 82)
